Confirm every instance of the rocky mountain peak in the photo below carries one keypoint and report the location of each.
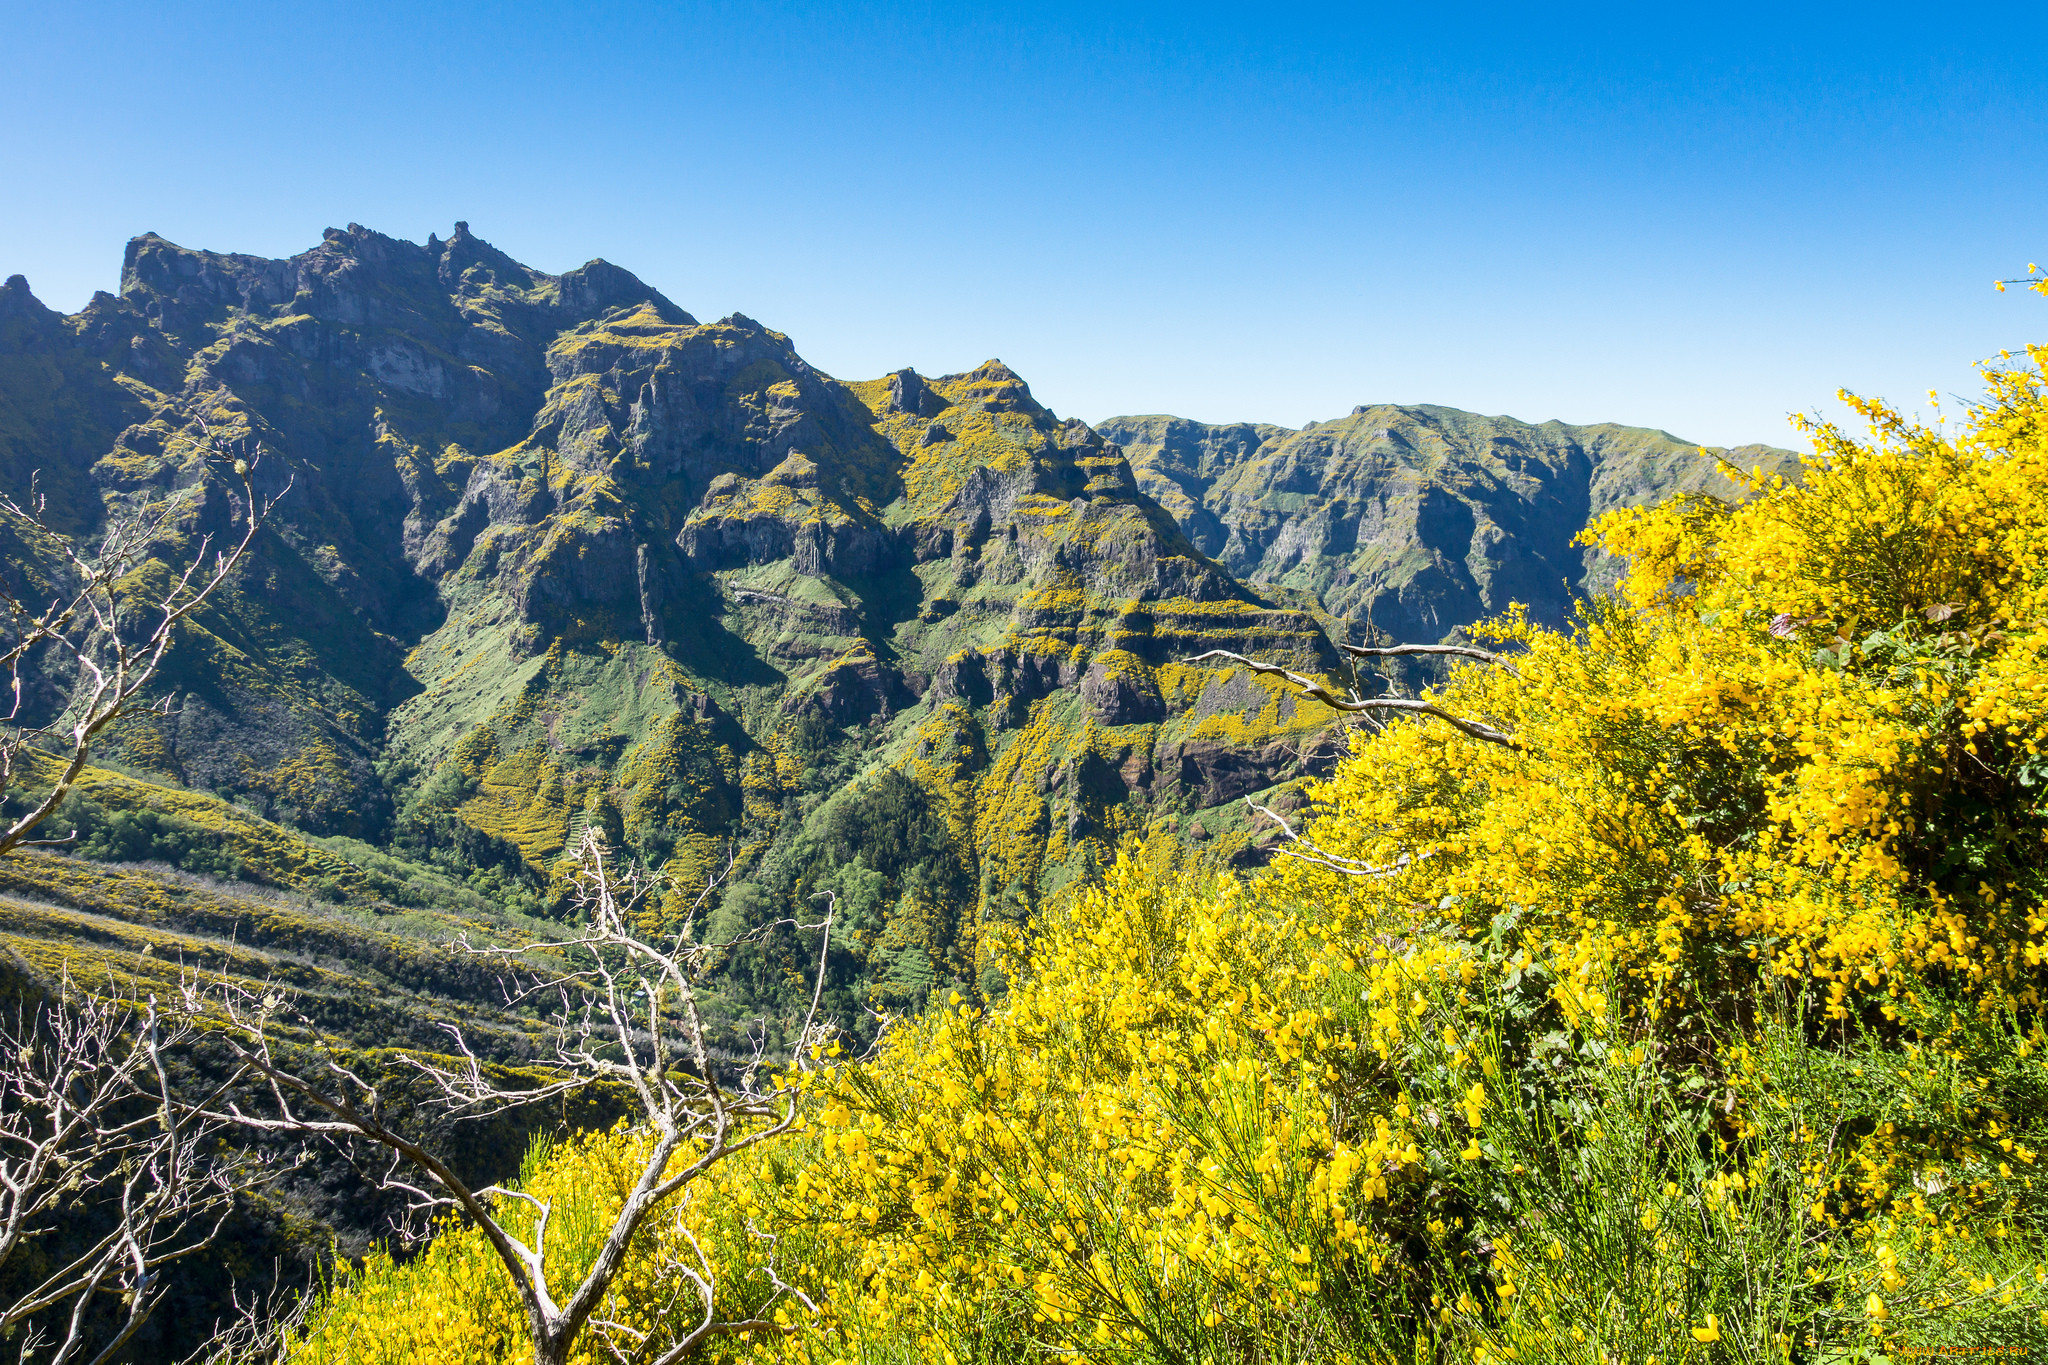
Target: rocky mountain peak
(993, 387)
(909, 394)
(18, 301)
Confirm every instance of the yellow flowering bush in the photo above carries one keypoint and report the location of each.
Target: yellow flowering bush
(1154, 1142)
(1701, 1023)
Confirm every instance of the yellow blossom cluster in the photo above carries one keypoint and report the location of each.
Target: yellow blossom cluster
(1808, 731)
(1701, 1023)
(1151, 1130)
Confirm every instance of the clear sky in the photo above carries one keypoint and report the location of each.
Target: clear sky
(1697, 221)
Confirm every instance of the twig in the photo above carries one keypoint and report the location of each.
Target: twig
(1356, 704)
(93, 627)
(1322, 857)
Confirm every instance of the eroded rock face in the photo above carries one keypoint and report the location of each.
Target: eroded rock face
(852, 689)
(909, 394)
(1119, 694)
(1212, 773)
(374, 374)
(782, 516)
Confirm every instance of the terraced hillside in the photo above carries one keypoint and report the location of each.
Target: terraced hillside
(1418, 519)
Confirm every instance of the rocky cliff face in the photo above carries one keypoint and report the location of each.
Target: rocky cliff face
(368, 371)
(1418, 520)
(557, 553)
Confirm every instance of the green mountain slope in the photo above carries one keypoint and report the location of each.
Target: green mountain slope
(1418, 519)
(555, 553)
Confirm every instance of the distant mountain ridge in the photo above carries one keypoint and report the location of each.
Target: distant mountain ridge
(1420, 519)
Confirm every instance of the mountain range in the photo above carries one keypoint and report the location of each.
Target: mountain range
(557, 554)
(1418, 520)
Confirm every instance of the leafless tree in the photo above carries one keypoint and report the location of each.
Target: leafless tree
(624, 1011)
(113, 630)
(94, 1134)
(106, 1171)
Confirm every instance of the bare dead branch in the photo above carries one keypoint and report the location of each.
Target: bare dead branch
(678, 1337)
(89, 1117)
(1305, 849)
(1357, 705)
(113, 633)
(90, 1121)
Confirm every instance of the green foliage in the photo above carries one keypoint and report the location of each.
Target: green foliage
(141, 836)
(886, 850)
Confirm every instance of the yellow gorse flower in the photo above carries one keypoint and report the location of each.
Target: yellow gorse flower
(1213, 1108)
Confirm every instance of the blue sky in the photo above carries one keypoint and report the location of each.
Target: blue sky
(1697, 221)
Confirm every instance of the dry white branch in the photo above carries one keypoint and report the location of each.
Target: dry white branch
(1357, 705)
(679, 1335)
(111, 630)
(1307, 850)
(625, 1012)
(1485, 656)
(1299, 845)
(94, 1133)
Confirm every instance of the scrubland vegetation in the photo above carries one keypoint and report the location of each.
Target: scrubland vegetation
(1701, 1023)
(1666, 987)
